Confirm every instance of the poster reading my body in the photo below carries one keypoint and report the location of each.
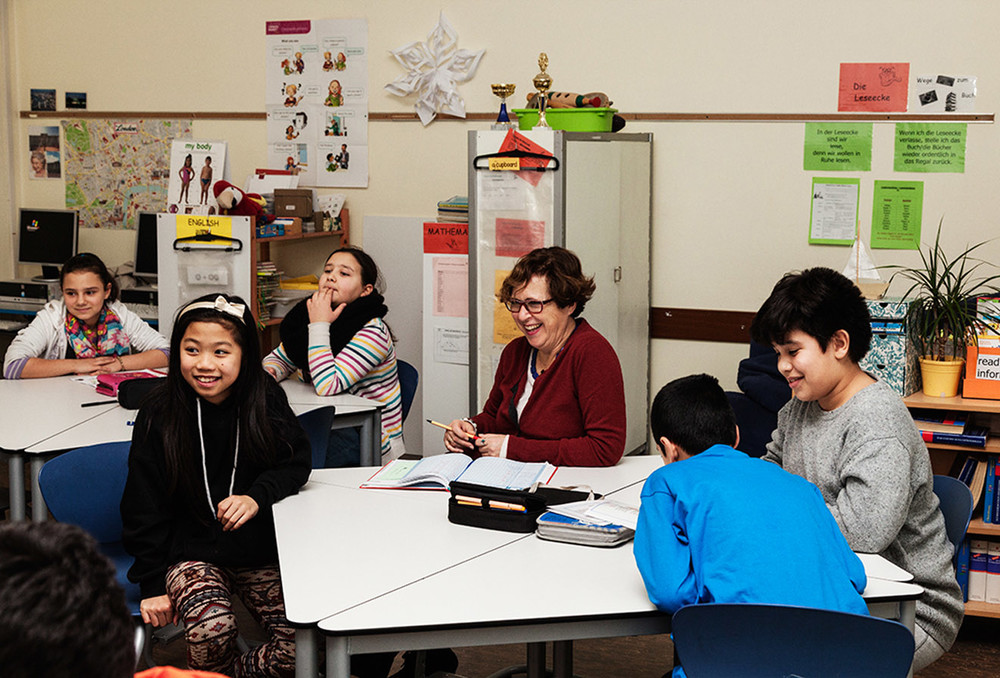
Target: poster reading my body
(317, 100)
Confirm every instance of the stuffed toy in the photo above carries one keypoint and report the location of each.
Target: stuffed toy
(236, 202)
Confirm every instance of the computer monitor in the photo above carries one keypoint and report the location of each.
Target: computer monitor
(46, 237)
(145, 246)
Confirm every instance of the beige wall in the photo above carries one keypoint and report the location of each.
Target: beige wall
(731, 202)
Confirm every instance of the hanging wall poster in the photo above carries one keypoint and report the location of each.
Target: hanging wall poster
(195, 166)
(317, 100)
(897, 212)
(834, 214)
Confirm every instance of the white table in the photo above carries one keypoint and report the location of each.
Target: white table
(405, 535)
(439, 599)
(352, 411)
(31, 412)
(40, 417)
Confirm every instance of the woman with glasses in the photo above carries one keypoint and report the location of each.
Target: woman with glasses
(558, 394)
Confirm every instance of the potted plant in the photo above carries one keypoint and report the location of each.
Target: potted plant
(941, 318)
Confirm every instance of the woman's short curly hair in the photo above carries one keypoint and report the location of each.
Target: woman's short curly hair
(562, 270)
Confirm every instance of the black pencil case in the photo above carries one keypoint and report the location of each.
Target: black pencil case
(497, 508)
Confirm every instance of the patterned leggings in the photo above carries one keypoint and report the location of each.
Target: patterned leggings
(202, 595)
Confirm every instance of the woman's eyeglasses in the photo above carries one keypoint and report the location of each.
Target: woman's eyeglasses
(533, 306)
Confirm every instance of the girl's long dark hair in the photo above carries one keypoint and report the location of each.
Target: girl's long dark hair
(174, 403)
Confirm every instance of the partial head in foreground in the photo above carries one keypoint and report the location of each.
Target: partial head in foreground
(692, 413)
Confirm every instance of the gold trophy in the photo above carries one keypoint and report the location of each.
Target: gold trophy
(542, 82)
(503, 90)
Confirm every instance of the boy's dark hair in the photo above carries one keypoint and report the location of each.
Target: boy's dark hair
(693, 413)
(64, 614)
(818, 301)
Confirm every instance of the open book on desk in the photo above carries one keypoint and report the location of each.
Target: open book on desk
(438, 471)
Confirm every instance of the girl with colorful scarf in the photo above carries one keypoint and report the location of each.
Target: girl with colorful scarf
(87, 331)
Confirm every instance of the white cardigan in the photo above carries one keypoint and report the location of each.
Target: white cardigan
(46, 338)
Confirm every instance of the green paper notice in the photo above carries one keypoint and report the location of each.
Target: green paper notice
(930, 147)
(833, 147)
(897, 209)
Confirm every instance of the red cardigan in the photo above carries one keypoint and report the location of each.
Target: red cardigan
(576, 413)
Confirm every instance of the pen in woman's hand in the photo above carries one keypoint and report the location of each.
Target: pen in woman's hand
(474, 438)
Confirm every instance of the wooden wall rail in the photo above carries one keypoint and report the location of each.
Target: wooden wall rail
(651, 117)
(696, 324)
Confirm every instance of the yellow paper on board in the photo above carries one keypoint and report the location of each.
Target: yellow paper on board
(189, 225)
(504, 329)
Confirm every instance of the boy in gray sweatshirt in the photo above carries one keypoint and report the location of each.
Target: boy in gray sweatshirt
(853, 437)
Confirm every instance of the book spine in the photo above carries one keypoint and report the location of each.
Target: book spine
(962, 569)
(968, 470)
(967, 439)
(995, 463)
(993, 573)
(990, 482)
(978, 553)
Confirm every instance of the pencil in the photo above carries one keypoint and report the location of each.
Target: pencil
(447, 428)
(99, 402)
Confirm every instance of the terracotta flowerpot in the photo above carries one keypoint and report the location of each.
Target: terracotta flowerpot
(941, 377)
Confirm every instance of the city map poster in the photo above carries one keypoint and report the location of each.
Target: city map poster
(195, 166)
(115, 169)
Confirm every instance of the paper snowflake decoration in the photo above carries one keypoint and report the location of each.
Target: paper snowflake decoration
(434, 70)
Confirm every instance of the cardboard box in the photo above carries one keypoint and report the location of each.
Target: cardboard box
(982, 370)
(294, 202)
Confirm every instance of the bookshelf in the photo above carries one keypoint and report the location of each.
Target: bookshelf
(942, 457)
(262, 252)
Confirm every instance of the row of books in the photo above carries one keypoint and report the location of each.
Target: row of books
(980, 472)
(454, 210)
(268, 283)
(979, 570)
(950, 428)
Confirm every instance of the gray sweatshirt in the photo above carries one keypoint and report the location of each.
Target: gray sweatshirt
(872, 468)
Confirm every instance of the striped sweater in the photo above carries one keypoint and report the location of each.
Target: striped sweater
(366, 367)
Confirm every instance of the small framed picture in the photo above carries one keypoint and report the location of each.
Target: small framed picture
(76, 99)
(43, 99)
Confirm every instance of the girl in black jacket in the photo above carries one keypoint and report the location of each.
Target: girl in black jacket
(212, 450)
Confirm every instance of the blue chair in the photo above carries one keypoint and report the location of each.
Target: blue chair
(408, 380)
(317, 424)
(956, 506)
(758, 641)
(84, 487)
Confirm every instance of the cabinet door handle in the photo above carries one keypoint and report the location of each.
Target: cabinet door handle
(618, 274)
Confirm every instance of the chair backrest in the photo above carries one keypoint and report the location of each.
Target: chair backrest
(751, 641)
(956, 506)
(317, 424)
(408, 380)
(84, 487)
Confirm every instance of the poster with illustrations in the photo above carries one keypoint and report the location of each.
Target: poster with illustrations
(195, 167)
(43, 148)
(317, 100)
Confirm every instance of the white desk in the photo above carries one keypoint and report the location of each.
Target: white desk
(405, 535)
(440, 598)
(352, 411)
(39, 417)
(31, 412)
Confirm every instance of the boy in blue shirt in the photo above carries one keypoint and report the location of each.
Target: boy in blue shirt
(718, 526)
(853, 437)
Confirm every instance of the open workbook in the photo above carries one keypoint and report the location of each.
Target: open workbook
(436, 472)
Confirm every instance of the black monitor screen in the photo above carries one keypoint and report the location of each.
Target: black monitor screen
(46, 237)
(145, 245)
